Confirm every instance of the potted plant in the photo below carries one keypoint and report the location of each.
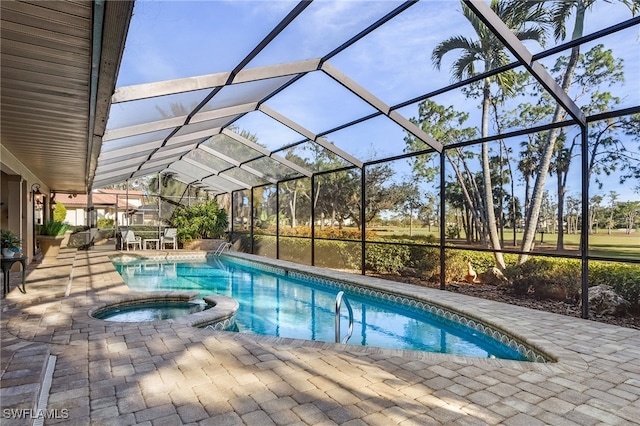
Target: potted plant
(50, 238)
(200, 226)
(9, 242)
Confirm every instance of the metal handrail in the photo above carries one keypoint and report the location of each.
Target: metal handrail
(221, 248)
(339, 299)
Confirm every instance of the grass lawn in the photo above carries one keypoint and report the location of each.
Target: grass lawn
(618, 244)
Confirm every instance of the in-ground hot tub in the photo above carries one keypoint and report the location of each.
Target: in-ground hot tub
(152, 310)
(217, 312)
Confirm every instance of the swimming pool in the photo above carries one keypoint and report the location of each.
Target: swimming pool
(277, 303)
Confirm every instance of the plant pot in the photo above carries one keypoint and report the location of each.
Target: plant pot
(7, 252)
(50, 247)
(67, 237)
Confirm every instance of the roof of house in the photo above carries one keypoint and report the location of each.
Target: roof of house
(81, 200)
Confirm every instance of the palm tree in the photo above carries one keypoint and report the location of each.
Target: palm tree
(560, 14)
(488, 52)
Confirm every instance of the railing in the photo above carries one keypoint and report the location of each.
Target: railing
(222, 247)
(339, 299)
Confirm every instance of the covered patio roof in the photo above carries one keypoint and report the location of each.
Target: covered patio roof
(59, 60)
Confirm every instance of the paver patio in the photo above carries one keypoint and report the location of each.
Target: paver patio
(167, 373)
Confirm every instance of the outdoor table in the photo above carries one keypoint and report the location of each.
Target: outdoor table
(6, 263)
(151, 240)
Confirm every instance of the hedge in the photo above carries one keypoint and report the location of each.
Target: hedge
(544, 277)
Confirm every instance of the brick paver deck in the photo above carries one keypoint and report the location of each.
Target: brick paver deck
(166, 373)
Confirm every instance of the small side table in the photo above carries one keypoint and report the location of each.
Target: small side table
(151, 240)
(6, 263)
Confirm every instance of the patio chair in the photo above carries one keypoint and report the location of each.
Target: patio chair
(129, 238)
(170, 237)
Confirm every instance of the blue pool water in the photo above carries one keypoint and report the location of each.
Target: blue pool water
(148, 311)
(283, 306)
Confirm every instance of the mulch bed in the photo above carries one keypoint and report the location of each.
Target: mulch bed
(506, 295)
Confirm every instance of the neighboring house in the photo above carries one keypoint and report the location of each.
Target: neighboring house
(107, 204)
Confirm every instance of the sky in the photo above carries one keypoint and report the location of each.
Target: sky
(177, 39)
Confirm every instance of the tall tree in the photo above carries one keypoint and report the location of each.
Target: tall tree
(613, 197)
(629, 210)
(489, 53)
(410, 199)
(448, 126)
(560, 13)
(594, 211)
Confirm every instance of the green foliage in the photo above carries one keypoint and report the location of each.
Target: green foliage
(205, 220)
(264, 245)
(296, 250)
(624, 278)
(53, 228)
(386, 258)
(60, 213)
(452, 232)
(8, 239)
(106, 223)
(338, 254)
(546, 278)
(404, 238)
(340, 234)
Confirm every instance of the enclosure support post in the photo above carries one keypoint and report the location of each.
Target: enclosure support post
(363, 249)
(584, 231)
(442, 223)
(126, 203)
(116, 224)
(232, 219)
(251, 217)
(278, 220)
(313, 220)
(159, 223)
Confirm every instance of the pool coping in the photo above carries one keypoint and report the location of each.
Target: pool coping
(220, 315)
(497, 315)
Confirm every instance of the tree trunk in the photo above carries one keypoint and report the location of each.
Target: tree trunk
(467, 225)
(560, 244)
(500, 204)
(470, 205)
(527, 194)
(292, 208)
(543, 168)
(486, 180)
(411, 222)
(513, 207)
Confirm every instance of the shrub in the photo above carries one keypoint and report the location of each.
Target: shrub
(262, 246)
(386, 258)
(546, 278)
(60, 213)
(298, 231)
(53, 228)
(106, 223)
(452, 232)
(205, 220)
(296, 250)
(624, 278)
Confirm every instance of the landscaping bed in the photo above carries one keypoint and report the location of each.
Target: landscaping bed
(507, 295)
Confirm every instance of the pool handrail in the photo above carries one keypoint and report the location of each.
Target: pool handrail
(339, 299)
(222, 248)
